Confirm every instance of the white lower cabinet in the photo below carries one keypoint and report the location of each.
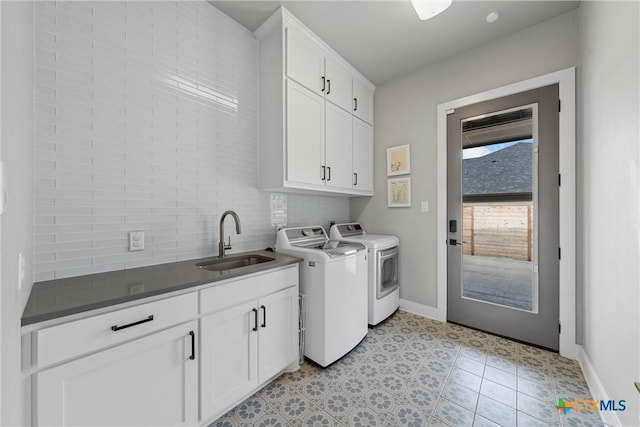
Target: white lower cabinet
(149, 381)
(153, 364)
(278, 338)
(244, 346)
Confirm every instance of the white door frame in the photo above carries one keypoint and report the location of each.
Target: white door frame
(566, 81)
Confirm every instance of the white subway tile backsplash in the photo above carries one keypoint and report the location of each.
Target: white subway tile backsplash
(146, 119)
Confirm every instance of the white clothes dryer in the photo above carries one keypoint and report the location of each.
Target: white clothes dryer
(333, 287)
(384, 287)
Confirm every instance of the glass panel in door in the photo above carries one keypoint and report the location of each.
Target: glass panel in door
(498, 213)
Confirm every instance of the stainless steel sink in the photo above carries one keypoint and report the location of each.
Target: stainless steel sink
(233, 262)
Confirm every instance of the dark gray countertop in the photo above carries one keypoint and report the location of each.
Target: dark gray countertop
(62, 297)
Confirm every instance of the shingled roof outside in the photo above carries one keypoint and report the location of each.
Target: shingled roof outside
(505, 171)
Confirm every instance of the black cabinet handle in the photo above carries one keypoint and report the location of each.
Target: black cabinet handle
(355, 100)
(324, 173)
(328, 86)
(264, 316)
(193, 345)
(255, 319)
(356, 177)
(324, 83)
(329, 169)
(115, 328)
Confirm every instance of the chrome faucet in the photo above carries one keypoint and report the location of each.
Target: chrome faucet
(222, 246)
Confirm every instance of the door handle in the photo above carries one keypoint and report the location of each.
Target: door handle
(355, 100)
(329, 169)
(328, 86)
(324, 83)
(454, 242)
(193, 345)
(264, 316)
(324, 173)
(255, 319)
(355, 175)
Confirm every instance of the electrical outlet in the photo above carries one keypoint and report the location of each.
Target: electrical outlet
(21, 270)
(136, 241)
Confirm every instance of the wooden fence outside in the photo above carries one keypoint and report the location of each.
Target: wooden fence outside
(498, 230)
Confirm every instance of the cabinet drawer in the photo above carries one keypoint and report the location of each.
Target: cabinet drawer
(73, 339)
(233, 293)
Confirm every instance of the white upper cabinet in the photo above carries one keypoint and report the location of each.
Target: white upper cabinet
(338, 151)
(305, 60)
(305, 136)
(338, 84)
(362, 156)
(362, 101)
(308, 99)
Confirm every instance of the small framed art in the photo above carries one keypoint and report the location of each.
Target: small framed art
(399, 160)
(399, 192)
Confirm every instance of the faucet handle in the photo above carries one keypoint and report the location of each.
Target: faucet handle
(228, 245)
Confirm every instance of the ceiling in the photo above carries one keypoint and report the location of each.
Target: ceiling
(385, 40)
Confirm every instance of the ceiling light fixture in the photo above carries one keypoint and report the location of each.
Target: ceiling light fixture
(429, 8)
(493, 17)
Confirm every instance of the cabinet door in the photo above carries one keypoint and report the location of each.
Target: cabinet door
(305, 135)
(362, 156)
(305, 60)
(278, 340)
(338, 155)
(362, 101)
(228, 358)
(339, 84)
(149, 381)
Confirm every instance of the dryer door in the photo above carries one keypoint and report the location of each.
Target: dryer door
(387, 263)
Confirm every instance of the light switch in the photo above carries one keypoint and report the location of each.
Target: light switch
(136, 240)
(424, 206)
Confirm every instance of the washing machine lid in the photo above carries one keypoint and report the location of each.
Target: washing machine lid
(333, 248)
(315, 238)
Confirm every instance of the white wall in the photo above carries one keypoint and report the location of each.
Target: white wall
(146, 119)
(609, 206)
(405, 113)
(17, 234)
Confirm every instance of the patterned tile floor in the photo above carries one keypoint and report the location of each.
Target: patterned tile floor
(412, 371)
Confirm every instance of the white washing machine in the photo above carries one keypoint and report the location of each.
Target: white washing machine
(333, 285)
(384, 288)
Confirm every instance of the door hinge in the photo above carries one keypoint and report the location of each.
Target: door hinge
(559, 180)
(559, 328)
(559, 253)
(559, 106)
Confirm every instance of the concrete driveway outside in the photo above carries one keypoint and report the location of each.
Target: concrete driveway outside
(501, 281)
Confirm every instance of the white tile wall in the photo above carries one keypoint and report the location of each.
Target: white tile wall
(146, 119)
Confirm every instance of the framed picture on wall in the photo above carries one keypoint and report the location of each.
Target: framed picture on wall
(399, 192)
(399, 160)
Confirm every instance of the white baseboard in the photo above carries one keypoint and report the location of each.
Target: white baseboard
(422, 310)
(595, 386)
